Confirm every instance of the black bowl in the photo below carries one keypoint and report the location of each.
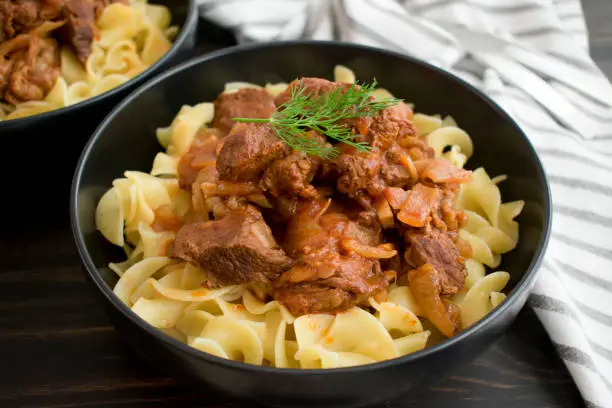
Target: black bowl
(50, 143)
(499, 145)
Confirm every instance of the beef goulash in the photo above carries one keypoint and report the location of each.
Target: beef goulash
(314, 224)
(37, 37)
(338, 217)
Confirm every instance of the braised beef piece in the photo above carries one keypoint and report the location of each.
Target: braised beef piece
(237, 249)
(358, 172)
(370, 172)
(313, 87)
(390, 126)
(28, 73)
(389, 163)
(439, 250)
(244, 103)
(291, 176)
(80, 29)
(326, 277)
(355, 281)
(447, 217)
(247, 150)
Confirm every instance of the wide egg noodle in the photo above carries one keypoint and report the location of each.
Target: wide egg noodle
(396, 317)
(426, 124)
(481, 195)
(344, 75)
(490, 230)
(276, 89)
(136, 275)
(257, 307)
(237, 339)
(160, 313)
(358, 331)
(164, 164)
(122, 59)
(154, 243)
(475, 272)
(118, 22)
(72, 69)
(412, 343)
(401, 296)
(109, 217)
(495, 238)
(151, 193)
(177, 137)
(477, 301)
(447, 136)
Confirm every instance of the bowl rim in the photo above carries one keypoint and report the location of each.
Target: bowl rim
(522, 286)
(190, 24)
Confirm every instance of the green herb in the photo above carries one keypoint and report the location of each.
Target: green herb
(303, 112)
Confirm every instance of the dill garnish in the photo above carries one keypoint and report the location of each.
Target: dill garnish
(323, 114)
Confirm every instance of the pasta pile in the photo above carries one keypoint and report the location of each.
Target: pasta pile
(131, 39)
(232, 323)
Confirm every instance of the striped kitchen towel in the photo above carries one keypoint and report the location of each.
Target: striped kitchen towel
(532, 57)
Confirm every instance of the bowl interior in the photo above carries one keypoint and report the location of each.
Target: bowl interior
(126, 139)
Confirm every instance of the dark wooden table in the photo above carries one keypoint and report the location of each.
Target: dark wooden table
(57, 348)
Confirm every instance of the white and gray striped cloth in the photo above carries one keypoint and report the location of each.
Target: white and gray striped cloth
(532, 57)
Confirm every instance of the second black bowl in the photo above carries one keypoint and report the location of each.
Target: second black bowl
(500, 146)
(48, 145)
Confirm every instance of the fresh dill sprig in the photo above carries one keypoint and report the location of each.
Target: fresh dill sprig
(324, 114)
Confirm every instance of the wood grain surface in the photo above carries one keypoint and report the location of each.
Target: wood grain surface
(57, 348)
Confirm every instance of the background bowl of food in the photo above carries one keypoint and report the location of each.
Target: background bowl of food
(282, 233)
(67, 63)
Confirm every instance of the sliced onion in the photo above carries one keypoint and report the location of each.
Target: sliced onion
(368, 251)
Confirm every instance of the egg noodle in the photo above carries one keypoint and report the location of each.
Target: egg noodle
(233, 323)
(130, 39)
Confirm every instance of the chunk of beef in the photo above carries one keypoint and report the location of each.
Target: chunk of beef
(390, 126)
(326, 277)
(245, 103)
(247, 150)
(237, 249)
(447, 217)
(291, 176)
(29, 73)
(80, 28)
(388, 164)
(359, 172)
(439, 250)
(307, 298)
(313, 87)
(349, 287)
(317, 87)
(370, 172)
